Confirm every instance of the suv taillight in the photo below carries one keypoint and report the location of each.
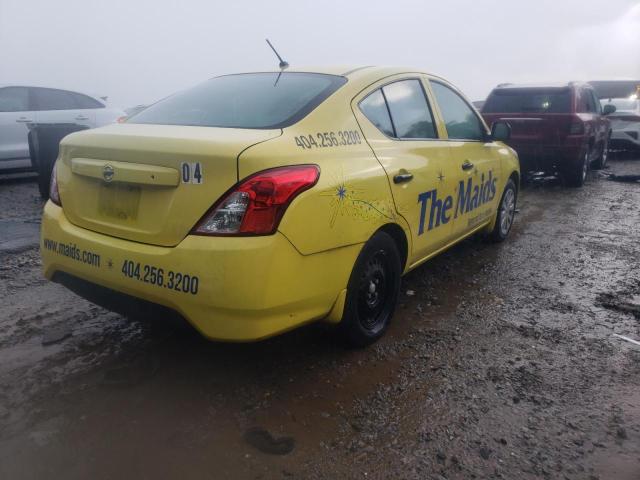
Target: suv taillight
(54, 194)
(576, 127)
(256, 205)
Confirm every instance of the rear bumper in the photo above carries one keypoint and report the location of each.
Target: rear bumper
(247, 289)
(540, 157)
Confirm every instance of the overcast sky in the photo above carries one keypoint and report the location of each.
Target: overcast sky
(137, 51)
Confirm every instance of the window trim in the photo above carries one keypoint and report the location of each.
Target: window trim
(473, 110)
(393, 125)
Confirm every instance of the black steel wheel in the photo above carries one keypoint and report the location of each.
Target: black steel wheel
(372, 292)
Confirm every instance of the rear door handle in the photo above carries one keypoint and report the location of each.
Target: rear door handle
(24, 120)
(403, 177)
(467, 165)
(80, 117)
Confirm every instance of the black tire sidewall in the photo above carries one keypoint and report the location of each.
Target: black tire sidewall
(350, 326)
(574, 177)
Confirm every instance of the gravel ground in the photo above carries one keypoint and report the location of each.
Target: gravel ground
(501, 363)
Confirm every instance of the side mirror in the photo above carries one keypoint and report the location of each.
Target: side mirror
(608, 109)
(500, 131)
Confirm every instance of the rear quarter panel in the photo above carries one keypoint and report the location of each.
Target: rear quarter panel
(352, 198)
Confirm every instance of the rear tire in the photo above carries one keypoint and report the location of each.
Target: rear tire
(372, 292)
(506, 213)
(601, 161)
(576, 175)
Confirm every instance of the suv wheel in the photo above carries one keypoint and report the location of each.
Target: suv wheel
(372, 292)
(577, 174)
(601, 162)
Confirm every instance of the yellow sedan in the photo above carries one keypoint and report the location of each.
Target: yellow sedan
(254, 203)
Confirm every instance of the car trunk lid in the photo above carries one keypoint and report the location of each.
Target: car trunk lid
(149, 183)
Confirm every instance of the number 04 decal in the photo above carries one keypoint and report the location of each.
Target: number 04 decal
(191, 173)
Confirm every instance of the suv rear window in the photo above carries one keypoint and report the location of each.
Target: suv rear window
(528, 100)
(251, 100)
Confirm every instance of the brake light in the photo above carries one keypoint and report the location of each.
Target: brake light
(577, 127)
(54, 194)
(256, 205)
(122, 119)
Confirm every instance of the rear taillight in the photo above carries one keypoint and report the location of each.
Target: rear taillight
(54, 194)
(576, 127)
(122, 119)
(256, 205)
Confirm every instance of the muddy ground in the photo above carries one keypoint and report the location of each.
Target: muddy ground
(501, 363)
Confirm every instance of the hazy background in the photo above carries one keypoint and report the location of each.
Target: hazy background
(138, 51)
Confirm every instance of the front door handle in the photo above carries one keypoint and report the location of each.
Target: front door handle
(24, 120)
(403, 177)
(82, 118)
(467, 165)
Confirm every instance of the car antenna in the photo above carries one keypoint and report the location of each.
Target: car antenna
(283, 64)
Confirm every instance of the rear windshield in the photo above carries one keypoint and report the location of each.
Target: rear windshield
(252, 100)
(528, 100)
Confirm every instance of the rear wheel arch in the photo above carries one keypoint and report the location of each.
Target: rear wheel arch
(399, 236)
(515, 176)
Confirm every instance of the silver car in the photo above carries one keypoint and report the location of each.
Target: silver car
(625, 123)
(22, 105)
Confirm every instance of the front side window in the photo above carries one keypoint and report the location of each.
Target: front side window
(374, 107)
(596, 103)
(14, 99)
(52, 99)
(460, 120)
(588, 103)
(410, 112)
(252, 100)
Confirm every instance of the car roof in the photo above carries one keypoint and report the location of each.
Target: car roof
(549, 85)
(359, 76)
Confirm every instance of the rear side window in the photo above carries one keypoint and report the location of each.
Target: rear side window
(83, 102)
(52, 99)
(410, 113)
(253, 100)
(461, 121)
(14, 99)
(375, 109)
(528, 100)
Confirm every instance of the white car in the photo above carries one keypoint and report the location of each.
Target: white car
(22, 105)
(625, 123)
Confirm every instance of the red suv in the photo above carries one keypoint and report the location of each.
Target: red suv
(554, 128)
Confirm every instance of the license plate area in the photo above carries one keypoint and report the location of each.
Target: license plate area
(119, 201)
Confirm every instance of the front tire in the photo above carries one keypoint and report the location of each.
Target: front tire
(372, 292)
(506, 213)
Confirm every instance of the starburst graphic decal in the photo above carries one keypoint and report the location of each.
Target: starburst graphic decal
(348, 200)
(440, 176)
